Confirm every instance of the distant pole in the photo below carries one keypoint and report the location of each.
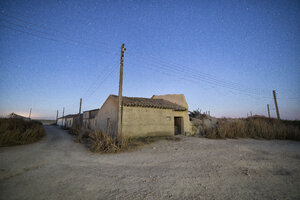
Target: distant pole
(62, 120)
(30, 113)
(269, 111)
(56, 116)
(276, 105)
(120, 108)
(79, 120)
(251, 113)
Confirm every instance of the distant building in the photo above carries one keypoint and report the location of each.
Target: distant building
(68, 121)
(16, 116)
(156, 116)
(61, 121)
(88, 120)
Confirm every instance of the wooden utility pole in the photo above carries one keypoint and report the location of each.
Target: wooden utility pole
(120, 108)
(63, 114)
(30, 113)
(276, 105)
(56, 116)
(79, 120)
(268, 111)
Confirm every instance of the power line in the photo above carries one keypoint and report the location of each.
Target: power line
(66, 35)
(104, 79)
(93, 83)
(53, 39)
(202, 79)
(167, 67)
(101, 77)
(53, 35)
(203, 75)
(214, 86)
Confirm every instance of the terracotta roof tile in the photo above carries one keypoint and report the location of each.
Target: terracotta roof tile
(148, 102)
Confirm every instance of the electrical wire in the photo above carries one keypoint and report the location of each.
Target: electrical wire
(65, 34)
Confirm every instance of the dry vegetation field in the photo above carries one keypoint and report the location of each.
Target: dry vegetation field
(252, 127)
(18, 131)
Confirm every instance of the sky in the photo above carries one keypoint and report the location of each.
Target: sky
(226, 57)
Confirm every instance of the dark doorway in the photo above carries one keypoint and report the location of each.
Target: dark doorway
(178, 125)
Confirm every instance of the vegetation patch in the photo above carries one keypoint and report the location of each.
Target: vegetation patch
(253, 127)
(101, 142)
(18, 131)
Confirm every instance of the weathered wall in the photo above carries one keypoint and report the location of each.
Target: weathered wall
(86, 120)
(69, 122)
(91, 124)
(141, 121)
(60, 122)
(85, 123)
(109, 110)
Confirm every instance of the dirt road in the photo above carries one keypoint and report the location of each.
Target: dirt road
(194, 168)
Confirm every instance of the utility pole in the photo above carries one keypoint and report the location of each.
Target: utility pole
(30, 113)
(63, 114)
(79, 120)
(268, 111)
(276, 106)
(251, 113)
(56, 116)
(120, 108)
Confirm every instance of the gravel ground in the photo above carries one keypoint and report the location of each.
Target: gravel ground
(193, 168)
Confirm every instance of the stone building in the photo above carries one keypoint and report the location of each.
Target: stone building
(68, 121)
(156, 116)
(88, 120)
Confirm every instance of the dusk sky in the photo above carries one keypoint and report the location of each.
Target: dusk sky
(226, 57)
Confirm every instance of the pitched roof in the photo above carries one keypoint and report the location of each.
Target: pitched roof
(71, 115)
(14, 115)
(92, 110)
(92, 113)
(151, 103)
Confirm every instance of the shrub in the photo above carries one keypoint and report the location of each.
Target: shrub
(18, 131)
(101, 142)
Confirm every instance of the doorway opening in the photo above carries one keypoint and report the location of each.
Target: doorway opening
(178, 125)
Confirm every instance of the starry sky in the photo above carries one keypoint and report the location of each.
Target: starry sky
(225, 56)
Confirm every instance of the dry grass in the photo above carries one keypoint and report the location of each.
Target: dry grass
(254, 127)
(18, 131)
(101, 142)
